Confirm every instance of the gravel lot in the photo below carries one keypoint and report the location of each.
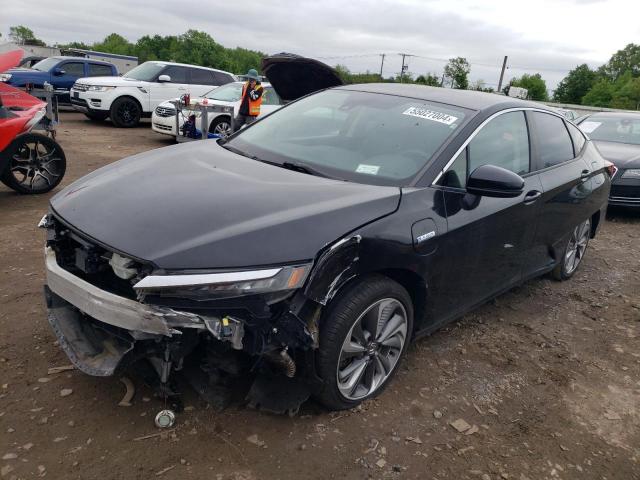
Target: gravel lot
(547, 377)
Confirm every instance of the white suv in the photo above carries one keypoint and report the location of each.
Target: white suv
(138, 92)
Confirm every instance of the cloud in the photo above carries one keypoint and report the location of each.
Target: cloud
(350, 33)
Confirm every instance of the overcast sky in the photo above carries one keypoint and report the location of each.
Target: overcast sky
(546, 36)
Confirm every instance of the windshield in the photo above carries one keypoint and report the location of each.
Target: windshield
(227, 93)
(46, 64)
(147, 72)
(363, 137)
(612, 129)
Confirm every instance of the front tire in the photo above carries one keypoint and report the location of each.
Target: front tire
(363, 335)
(125, 112)
(573, 251)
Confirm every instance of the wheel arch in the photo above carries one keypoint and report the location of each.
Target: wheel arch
(219, 117)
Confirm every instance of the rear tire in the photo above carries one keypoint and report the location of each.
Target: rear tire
(35, 164)
(364, 333)
(125, 112)
(573, 251)
(97, 116)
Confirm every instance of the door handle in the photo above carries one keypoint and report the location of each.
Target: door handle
(584, 175)
(532, 196)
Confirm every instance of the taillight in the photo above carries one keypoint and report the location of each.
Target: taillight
(610, 168)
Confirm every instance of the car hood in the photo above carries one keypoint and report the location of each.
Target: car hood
(10, 59)
(293, 76)
(622, 155)
(111, 81)
(200, 206)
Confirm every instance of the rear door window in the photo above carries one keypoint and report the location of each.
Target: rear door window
(554, 143)
(75, 69)
(202, 77)
(222, 78)
(178, 74)
(96, 70)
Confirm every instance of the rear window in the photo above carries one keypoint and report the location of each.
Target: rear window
(96, 70)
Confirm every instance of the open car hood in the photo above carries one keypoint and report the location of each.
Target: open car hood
(293, 76)
(10, 59)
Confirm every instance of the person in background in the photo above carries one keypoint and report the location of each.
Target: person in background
(250, 102)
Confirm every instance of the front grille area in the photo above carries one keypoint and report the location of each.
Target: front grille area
(90, 262)
(81, 87)
(81, 102)
(625, 191)
(162, 127)
(165, 111)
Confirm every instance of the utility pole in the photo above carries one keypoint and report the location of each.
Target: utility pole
(504, 66)
(402, 69)
(381, 64)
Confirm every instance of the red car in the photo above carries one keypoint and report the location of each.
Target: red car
(29, 162)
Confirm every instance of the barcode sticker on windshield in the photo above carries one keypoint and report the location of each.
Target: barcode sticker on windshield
(368, 169)
(430, 115)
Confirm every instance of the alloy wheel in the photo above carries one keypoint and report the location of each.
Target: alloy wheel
(372, 349)
(223, 129)
(36, 166)
(577, 246)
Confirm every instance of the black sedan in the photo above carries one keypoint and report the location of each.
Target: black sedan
(617, 136)
(307, 250)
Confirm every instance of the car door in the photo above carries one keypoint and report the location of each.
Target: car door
(566, 185)
(174, 88)
(487, 239)
(65, 75)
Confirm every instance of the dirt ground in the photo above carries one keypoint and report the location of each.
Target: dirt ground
(547, 376)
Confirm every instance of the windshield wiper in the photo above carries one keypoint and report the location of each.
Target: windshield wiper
(238, 151)
(298, 167)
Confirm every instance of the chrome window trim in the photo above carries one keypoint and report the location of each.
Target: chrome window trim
(188, 280)
(482, 125)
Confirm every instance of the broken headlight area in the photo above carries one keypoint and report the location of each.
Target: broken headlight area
(111, 312)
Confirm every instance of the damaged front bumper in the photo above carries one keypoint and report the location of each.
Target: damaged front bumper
(97, 328)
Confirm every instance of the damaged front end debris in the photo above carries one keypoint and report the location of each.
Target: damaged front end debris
(112, 313)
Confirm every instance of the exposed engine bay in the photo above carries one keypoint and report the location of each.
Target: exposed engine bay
(108, 320)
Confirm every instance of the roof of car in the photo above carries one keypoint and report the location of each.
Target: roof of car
(64, 57)
(189, 65)
(470, 99)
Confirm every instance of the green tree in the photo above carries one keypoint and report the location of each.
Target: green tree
(575, 85)
(428, 79)
(535, 85)
(457, 70)
(626, 92)
(115, 43)
(625, 60)
(600, 94)
(24, 36)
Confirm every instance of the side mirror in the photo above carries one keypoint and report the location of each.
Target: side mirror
(164, 78)
(492, 181)
(58, 71)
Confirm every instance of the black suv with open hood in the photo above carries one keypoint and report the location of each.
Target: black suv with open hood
(306, 250)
